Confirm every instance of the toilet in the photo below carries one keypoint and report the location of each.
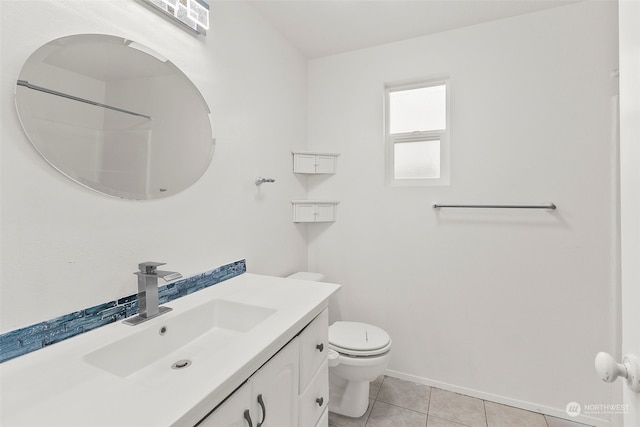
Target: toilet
(358, 354)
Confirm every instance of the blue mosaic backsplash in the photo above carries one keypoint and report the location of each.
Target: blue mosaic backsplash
(25, 340)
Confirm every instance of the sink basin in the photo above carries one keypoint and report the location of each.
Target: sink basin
(214, 324)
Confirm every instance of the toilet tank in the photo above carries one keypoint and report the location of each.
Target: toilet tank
(307, 275)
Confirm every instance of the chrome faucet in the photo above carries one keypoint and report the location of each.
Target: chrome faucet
(148, 305)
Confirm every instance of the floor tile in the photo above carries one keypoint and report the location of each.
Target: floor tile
(457, 407)
(559, 422)
(405, 394)
(374, 387)
(398, 403)
(439, 422)
(337, 420)
(386, 415)
(507, 416)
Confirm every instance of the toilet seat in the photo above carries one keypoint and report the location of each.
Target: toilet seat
(358, 339)
(359, 353)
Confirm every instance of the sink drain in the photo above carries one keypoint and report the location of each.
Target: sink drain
(181, 364)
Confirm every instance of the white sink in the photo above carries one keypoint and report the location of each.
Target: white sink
(214, 324)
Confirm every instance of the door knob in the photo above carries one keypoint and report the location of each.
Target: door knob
(609, 370)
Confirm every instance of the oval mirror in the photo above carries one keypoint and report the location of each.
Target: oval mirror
(115, 116)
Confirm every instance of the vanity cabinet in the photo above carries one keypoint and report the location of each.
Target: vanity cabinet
(268, 399)
(245, 340)
(314, 163)
(290, 390)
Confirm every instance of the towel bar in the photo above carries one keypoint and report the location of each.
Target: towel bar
(551, 206)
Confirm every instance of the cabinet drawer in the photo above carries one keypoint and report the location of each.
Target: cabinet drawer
(315, 398)
(314, 346)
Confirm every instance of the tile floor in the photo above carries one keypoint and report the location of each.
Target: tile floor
(398, 403)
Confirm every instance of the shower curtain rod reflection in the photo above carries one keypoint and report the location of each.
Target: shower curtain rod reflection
(75, 98)
(550, 206)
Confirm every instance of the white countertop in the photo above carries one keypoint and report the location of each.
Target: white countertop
(55, 386)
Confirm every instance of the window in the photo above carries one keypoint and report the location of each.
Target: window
(417, 133)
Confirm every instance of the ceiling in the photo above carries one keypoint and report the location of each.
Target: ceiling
(326, 27)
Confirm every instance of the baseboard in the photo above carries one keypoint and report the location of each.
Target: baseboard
(529, 406)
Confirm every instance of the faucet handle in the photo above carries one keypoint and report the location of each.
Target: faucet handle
(149, 267)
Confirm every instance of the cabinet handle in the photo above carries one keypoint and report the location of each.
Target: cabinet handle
(320, 347)
(264, 410)
(247, 417)
(320, 401)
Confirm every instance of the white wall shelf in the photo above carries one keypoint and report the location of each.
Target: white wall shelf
(314, 210)
(310, 162)
(314, 163)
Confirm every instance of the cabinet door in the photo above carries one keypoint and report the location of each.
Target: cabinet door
(232, 412)
(304, 163)
(325, 164)
(325, 213)
(304, 213)
(275, 389)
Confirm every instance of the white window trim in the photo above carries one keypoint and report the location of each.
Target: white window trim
(442, 135)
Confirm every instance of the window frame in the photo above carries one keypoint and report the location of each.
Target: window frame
(443, 135)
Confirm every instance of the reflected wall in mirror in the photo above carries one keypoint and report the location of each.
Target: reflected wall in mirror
(115, 116)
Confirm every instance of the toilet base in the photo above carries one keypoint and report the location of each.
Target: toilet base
(348, 397)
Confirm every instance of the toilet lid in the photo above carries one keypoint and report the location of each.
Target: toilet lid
(357, 338)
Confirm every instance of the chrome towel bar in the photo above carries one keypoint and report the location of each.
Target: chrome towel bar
(550, 206)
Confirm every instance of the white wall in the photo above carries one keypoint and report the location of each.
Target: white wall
(629, 194)
(507, 305)
(65, 247)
